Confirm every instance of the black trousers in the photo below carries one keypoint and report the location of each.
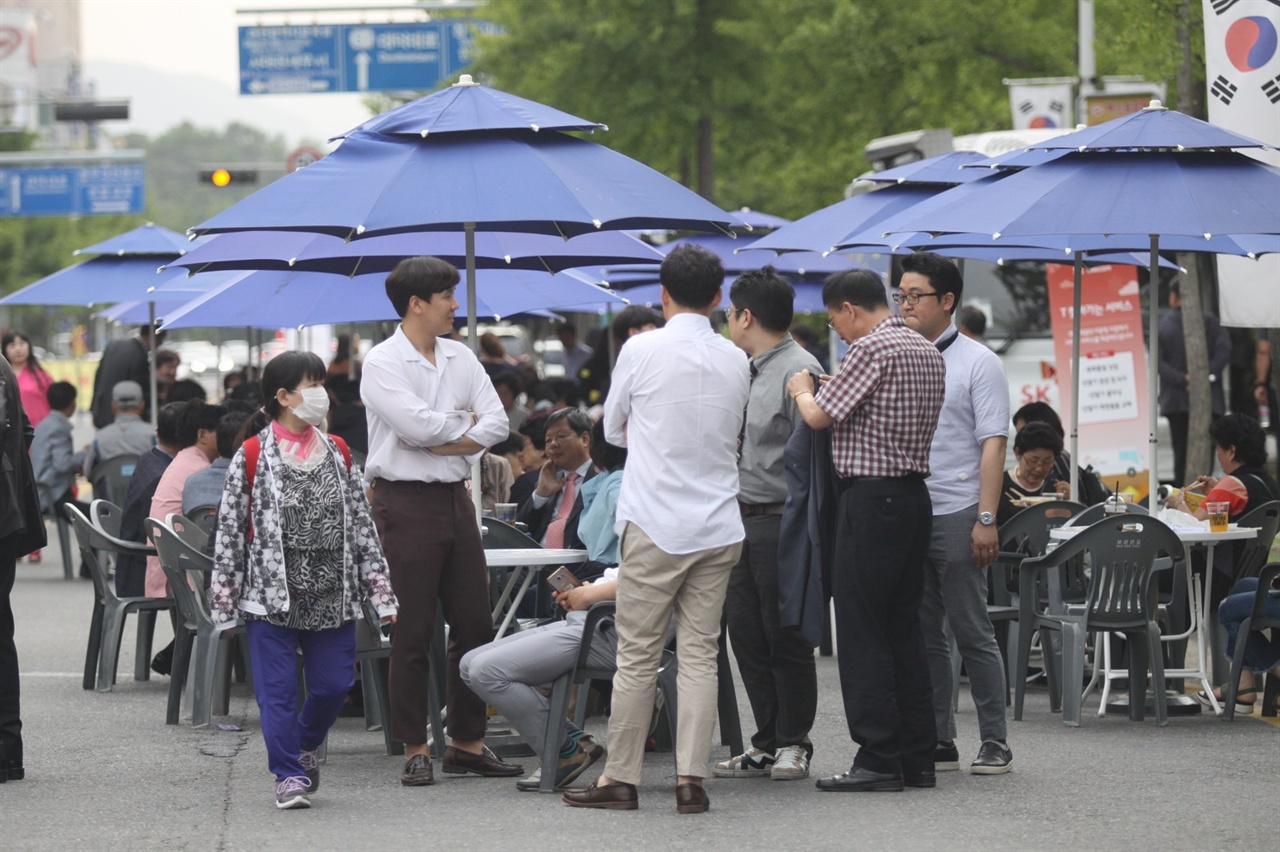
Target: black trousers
(777, 666)
(10, 716)
(882, 540)
(433, 547)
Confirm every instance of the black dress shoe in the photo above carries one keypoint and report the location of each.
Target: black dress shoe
(616, 797)
(417, 772)
(860, 780)
(691, 799)
(923, 779)
(486, 764)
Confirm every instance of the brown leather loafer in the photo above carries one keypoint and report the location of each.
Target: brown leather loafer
(417, 772)
(486, 764)
(691, 799)
(616, 797)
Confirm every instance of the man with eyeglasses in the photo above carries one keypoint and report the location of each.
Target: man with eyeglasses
(882, 407)
(966, 464)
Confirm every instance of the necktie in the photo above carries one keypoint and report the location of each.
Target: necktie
(555, 529)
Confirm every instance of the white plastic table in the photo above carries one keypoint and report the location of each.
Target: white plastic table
(1201, 618)
(527, 562)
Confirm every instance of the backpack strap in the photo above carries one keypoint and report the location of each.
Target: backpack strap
(346, 451)
(252, 450)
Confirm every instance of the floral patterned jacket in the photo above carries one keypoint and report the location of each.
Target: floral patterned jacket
(249, 574)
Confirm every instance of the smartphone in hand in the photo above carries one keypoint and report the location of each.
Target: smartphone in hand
(562, 580)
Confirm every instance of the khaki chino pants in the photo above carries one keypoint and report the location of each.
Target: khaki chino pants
(654, 585)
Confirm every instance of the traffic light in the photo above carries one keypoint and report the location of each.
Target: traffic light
(225, 177)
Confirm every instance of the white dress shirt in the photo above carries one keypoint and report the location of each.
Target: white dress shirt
(975, 408)
(676, 404)
(412, 403)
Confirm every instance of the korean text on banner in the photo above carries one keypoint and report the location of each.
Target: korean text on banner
(1114, 416)
(1242, 71)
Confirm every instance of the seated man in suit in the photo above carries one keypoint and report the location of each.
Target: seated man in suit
(552, 511)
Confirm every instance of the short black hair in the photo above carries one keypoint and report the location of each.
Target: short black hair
(577, 419)
(229, 428)
(973, 319)
(167, 422)
(943, 274)
(506, 377)
(187, 389)
(567, 391)
(604, 455)
(513, 443)
(1245, 434)
(861, 288)
(1037, 436)
(692, 276)
(535, 429)
(167, 356)
(630, 317)
(60, 395)
(421, 276)
(803, 335)
(1040, 412)
(770, 298)
(196, 416)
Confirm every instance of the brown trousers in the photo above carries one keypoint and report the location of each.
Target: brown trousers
(433, 547)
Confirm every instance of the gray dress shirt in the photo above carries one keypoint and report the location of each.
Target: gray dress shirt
(771, 417)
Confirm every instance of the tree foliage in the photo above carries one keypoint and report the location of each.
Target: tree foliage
(794, 89)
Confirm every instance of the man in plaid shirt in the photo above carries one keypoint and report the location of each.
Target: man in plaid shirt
(882, 407)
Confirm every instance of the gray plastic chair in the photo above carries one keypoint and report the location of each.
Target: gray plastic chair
(110, 477)
(1124, 555)
(206, 519)
(106, 628)
(197, 654)
(373, 653)
(1092, 514)
(106, 516)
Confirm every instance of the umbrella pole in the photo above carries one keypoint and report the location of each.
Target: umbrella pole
(151, 337)
(1153, 322)
(469, 229)
(1075, 377)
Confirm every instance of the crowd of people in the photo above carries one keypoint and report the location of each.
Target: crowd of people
(684, 461)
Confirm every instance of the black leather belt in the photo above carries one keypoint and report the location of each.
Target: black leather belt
(846, 482)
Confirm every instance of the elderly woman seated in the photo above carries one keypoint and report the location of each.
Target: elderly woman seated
(505, 673)
(1035, 449)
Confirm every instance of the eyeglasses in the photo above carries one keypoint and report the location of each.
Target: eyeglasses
(912, 298)
(831, 325)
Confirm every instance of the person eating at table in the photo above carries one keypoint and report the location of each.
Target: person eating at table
(1241, 447)
(1035, 450)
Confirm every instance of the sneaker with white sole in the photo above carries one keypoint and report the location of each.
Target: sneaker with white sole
(993, 759)
(753, 763)
(791, 763)
(946, 758)
(311, 765)
(291, 793)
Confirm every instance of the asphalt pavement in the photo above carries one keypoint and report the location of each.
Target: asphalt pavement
(105, 772)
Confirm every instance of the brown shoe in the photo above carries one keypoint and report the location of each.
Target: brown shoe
(691, 799)
(417, 772)
(616, 797)
(486, 764)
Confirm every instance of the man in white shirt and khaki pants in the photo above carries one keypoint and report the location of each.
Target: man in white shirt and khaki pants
(676, 403)
(432, 412)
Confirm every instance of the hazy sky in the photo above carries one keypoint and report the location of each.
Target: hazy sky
(186, 39)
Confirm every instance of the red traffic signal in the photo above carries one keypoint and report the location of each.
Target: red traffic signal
(225, 177)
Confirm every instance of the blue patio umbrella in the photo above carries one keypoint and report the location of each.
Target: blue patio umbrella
(273, 299)
(824, 229)
(99, 281)
(148, 239)
(468, 106)
(808, 295)
(945, 169)
(1160, 176)
(493, 250)
(758, 220)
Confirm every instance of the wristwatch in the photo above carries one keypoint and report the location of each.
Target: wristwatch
(986, 519)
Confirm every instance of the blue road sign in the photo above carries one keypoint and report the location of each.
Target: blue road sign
(72, 190)
(354, 57)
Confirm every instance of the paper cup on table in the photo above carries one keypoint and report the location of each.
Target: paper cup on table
(505, 512)
(1217, 516)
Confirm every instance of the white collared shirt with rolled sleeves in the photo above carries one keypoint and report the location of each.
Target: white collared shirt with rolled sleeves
(411, 404)
(676, 402)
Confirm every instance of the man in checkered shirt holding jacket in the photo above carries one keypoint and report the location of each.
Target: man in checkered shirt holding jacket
(882, 406)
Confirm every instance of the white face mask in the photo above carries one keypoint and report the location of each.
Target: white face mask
(315, 405)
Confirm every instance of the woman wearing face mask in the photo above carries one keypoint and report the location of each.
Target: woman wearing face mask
(295, 554)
